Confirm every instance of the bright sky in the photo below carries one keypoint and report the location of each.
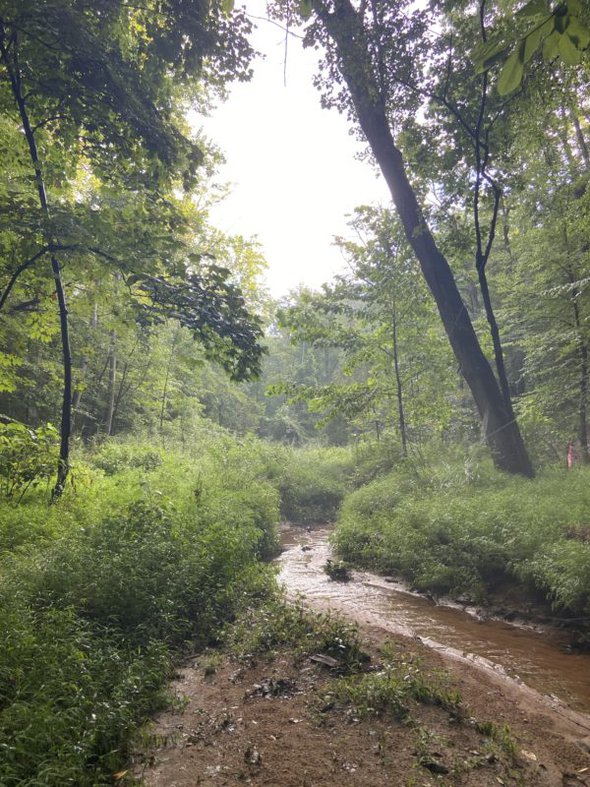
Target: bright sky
(290, 165)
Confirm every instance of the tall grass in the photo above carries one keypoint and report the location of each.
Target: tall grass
(151, 552)
(468, 530)
(313, 483)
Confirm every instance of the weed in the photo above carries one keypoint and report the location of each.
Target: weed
(276, 624)
(99, 593)
(500, 735)
(447, 531)
(389, 691)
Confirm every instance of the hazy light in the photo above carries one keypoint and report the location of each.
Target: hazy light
(290, 164)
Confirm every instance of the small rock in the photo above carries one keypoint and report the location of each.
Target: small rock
(433, 766)
(252, 756)
(321, 658)
(584, 744)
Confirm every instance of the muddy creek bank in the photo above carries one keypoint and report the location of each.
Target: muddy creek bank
(533, 657)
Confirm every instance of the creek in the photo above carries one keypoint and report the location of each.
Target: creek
(533, 656)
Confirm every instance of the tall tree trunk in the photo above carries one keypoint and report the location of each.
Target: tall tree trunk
(583, 379)
(398, 387)
(11, 64)
(166, 378)
(581, 140)
(482, 254)
(501, 430)
(112, 385)
(495, 333)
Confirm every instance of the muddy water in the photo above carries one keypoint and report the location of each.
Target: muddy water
(533, 657)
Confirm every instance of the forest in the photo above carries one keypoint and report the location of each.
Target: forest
(161, 414)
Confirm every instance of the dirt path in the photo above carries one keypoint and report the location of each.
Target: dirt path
(270, 721)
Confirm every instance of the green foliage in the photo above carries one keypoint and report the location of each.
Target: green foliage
(27, 458)
(99, 591)
(464, 530)
(313, 484)
(114, 457)
(102, 171)
(70, 696)
(275, 625)
(562, 571)
(394, 372)
(561, 31)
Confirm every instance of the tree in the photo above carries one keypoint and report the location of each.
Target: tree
(366, 47)
(395, 370)
(547, 264)
(95, 89)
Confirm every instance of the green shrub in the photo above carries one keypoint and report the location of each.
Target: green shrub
(563, 572)
(450, 531)
(70, 697)
(127, 568)
(28, 457)
(313, 484)
(113, 456)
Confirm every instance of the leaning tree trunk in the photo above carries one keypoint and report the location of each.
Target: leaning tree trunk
(346, 30)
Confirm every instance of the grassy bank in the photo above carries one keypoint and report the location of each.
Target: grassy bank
(150, 552)
(469, 531)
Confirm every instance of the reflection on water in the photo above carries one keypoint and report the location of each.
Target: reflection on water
(534, 657)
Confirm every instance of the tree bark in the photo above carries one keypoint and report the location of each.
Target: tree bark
(583, 379)
(12, 68)
(502, 434)
(112, 385)
(398, 386)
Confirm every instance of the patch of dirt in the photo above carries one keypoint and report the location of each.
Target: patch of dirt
(269, 722)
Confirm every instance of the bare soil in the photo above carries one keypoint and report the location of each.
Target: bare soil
(268, 722)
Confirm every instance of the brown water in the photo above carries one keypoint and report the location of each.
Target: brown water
(530, 656)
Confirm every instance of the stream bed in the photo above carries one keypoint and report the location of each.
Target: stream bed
(535, 657)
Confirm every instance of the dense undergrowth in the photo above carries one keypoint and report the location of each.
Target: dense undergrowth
(153, 551)
(149, 553)
(314, 481)
(464, 529)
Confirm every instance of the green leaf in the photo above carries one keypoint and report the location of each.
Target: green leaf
(561, 19)
(227, 6)
(533, 9)
(532, 41)
(568, 50)
(511, 73)
(578, 32)
(305, 8)
(551, 46)
(487, 53)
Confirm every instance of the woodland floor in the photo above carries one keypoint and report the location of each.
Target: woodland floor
(268, 722)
